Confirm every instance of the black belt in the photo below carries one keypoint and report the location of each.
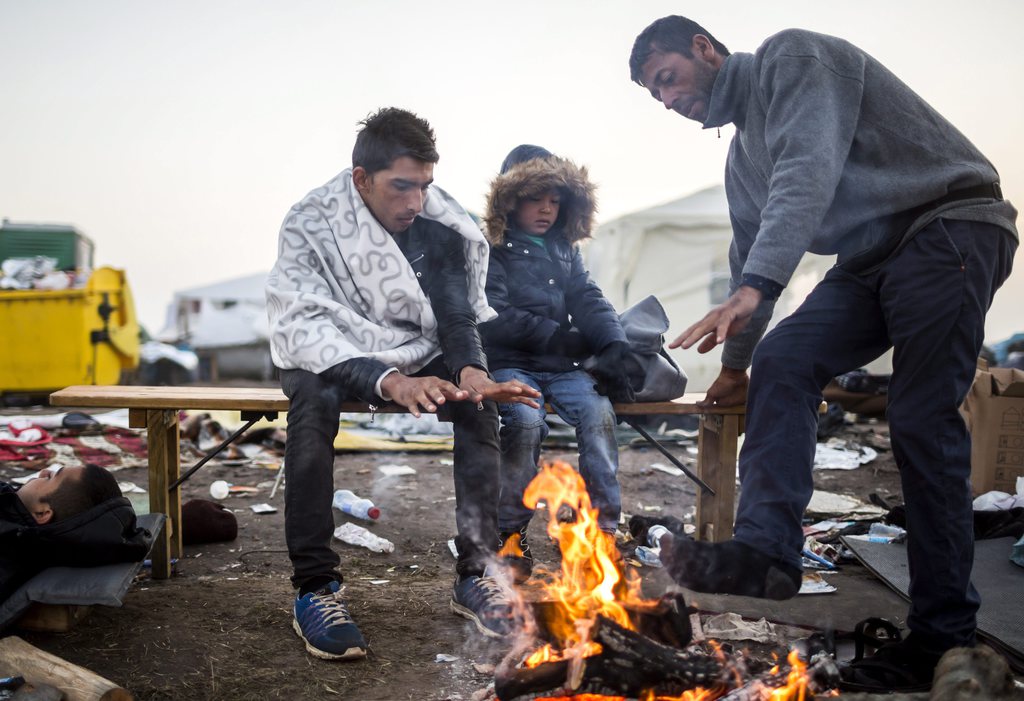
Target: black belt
(897, 225)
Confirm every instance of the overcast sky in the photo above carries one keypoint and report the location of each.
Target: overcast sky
(177, 134)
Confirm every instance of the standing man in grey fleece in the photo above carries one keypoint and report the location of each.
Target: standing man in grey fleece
(835, 155)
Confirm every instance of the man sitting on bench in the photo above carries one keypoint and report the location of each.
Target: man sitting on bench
(55, 495)
(375, 296)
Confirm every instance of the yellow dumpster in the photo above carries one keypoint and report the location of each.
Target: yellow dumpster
(53, 338)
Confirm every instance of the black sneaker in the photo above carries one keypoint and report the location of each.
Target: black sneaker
(486, 602)
(728, 568)
(514, 552)
(324, 623)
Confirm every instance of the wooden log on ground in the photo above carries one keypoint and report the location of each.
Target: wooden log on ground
(19, 658)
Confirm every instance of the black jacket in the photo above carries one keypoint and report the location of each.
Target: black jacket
(537, 292)
(540, 291)
(437, 256)
(105, 534)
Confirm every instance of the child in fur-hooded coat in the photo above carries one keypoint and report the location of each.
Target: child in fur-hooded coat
(551, 316)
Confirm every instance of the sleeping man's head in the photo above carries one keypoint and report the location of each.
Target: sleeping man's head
(57, 494)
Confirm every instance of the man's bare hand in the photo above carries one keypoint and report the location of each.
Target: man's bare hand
(725, 320)
(416, 392)
(479, 387)
(728, 389)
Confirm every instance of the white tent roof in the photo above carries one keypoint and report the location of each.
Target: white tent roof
(248, 288)
(678, 251)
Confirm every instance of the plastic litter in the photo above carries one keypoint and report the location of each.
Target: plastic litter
(219, 489)
(396, 470)
(357, 535)
(731, 626)
(350, 503)
(442, 657)
(650, 554)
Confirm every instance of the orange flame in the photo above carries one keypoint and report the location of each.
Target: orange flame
(796, 681)
(592, 582)
(592, 579)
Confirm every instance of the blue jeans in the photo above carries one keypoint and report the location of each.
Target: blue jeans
(928, 303)
(573, 397)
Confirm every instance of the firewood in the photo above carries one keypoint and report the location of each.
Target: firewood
(17, 657)
(627, 665)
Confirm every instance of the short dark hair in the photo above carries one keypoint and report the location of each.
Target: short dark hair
(94, 486)
(391, 133)
(672, 33)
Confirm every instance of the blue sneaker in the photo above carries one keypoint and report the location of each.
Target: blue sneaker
(484, 601)
(326, 626)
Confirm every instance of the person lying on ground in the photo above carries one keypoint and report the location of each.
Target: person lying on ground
(68, 497)
(376, 296)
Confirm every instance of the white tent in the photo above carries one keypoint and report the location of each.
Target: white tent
(228, 313)
(679, 251)
(226, 324)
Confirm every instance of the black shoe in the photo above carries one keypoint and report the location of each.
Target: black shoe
(901, 666)
(514, 552)
(728, 568)
(486, 602)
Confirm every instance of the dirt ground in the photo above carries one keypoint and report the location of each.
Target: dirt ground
(221, 628)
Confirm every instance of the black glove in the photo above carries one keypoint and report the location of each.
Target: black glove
(610, 371)
(568, 343)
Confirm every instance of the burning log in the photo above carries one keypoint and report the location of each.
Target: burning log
(628, 664)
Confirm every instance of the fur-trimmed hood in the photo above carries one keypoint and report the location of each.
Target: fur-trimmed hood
(579, 203)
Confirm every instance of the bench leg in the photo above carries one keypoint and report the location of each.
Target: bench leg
(164, 466)
(716, 464)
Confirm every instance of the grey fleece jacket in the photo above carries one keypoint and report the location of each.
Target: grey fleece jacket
(828, 144)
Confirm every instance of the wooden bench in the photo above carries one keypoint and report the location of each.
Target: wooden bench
(156, 409)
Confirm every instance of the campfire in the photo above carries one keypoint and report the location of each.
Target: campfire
(592, 636)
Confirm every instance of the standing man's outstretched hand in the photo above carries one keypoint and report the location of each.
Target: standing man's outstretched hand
(725, 320)
(416, 392)
(479, 386)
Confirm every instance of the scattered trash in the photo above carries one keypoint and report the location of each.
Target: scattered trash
(814, 583)
(130, 488)
(379, 581)
(881, 533)
(453, 549)
(357, 535)
(263, 509)
(219, 489)
(840, 455)
(396, 470)
(442, 657)
(849, 508)
(348, 502)
(732, 626)
(241, 489)
(650, 554)
(667, 469)
(446, 461)
(1001, 501)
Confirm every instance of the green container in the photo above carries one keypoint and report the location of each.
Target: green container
(72, 249)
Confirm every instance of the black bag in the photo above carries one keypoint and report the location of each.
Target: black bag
(655, 377)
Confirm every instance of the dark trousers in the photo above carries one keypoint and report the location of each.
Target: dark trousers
(309, 475)
(928, 303)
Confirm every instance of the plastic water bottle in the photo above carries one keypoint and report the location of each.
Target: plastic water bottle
(349, 503)
(654, 534)
(649, 556)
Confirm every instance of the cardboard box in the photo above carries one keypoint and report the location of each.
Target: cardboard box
(994, 411)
